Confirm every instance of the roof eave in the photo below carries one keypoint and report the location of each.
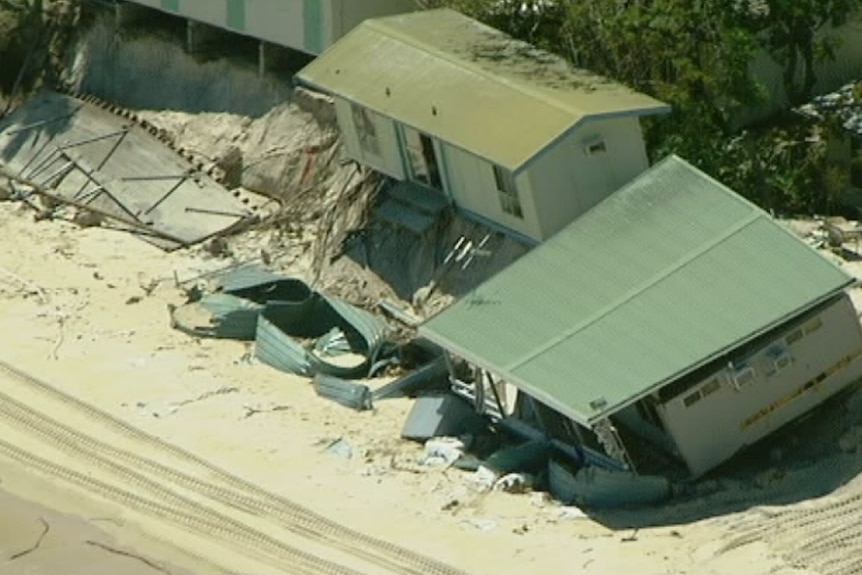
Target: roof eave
(590, 420)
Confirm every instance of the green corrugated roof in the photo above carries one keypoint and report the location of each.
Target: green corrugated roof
(656, 280)
(468, 84)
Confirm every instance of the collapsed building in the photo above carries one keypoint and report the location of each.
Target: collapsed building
(661, 320)
(675, 321)
(463, 115)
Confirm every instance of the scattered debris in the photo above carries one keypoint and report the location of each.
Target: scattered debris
(595, 487)
(61, 335)
(483, 479)
(252, 410)
(482, 524)
(25, 285)
(630, 538)
(349, 394)
(340, 448)
(514, 483)
(571, 512)
(441, 451)
(45, 528)
(431, 375)
(295, 329)
(149, 563)
(441, 415)
(527, 456)
(174, 406)
(405, 317)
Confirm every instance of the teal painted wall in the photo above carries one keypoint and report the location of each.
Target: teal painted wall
(236, 14)
(172, 5)
(314, 40)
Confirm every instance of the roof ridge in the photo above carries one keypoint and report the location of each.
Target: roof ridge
(755, 215)
(377, 24)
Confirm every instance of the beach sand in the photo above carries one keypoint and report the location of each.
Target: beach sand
(77, 312)
(40, 541)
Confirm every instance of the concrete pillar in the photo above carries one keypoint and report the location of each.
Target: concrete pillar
(261, 58)
(190, 36)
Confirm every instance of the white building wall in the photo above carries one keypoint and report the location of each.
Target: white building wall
(473, 188)
(714, 426)
(388, 161)
(567, 180)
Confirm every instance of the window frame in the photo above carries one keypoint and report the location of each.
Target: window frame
(743, 376)
(366, 130)
(507, 192)
(595, 146)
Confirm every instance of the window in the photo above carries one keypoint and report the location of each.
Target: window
(366, 131)
(594, 146)
(508, 192)
(778, 358)
(813, 325)
(691, 399)
(793, 337)
(742, 376)
(711, 387)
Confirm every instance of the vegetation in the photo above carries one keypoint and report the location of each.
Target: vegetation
(697, 55)
(33, 37)
(21, 28)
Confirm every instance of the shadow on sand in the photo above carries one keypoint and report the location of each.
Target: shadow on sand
(802, 461)
(34, 125)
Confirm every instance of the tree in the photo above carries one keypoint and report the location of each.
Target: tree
(27, 34)
(696, 55)
(790, 29)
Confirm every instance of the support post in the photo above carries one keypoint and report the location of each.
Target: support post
(190, 36)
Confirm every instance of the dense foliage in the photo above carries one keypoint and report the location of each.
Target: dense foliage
(697, 55)
(21, 37)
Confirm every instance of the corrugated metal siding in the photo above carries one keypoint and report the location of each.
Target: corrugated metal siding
(279, 350)
(467, 84)
(656, 279)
